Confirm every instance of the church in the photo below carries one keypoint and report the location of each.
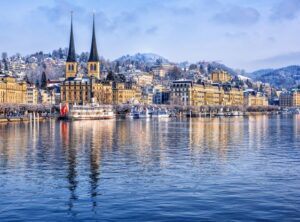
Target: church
(78, 89)
(84, 89)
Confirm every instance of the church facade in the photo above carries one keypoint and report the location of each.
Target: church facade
(78, 89)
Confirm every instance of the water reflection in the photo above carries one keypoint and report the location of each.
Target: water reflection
(94, 162)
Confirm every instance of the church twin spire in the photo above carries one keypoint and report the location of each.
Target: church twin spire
(94, 52)
(71, 54)
(93, 62)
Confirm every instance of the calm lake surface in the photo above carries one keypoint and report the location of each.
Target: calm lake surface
(219, 169)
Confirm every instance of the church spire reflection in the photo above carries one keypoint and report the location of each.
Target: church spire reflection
(70, 153)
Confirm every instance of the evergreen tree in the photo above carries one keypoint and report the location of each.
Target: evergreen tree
(44, 81)
(37, 83)
(26, 79)
(121, 78)
(110, 76)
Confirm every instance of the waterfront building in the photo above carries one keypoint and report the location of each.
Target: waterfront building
(181, 92)
(102, 92)
(126, 93)
(147, 99)
(187, 93)
(32, 94)
(161, 97)
(220, 76)
(255, 99)
(290, 99)
(12, 91)
(296, 99)
(46, 97)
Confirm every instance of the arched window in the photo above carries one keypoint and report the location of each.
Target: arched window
(69, 67)
(91, 67)
(95, 67)
(72, 67)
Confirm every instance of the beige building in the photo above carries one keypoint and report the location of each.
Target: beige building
(184, 92)
(144, 79)
(289, 99)
(32, 95)
(220, 76)
(103, 92)
(47, 97)
(256, 100)
(12, 91)
(162, 70)
(126, 93)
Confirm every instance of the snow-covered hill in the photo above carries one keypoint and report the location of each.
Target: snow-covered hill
(146, 58)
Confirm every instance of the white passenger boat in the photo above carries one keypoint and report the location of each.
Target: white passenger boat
(86, 112)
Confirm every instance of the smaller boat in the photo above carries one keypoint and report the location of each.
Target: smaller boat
(144, 113)
(137, 113)
(220, 114)
(160, 113)
(235, 113)
(134, 114)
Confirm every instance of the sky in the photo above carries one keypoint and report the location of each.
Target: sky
(241, 34)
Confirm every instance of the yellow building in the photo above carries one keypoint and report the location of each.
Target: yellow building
(220, 76)
(296, 99)
(144, 79)
(256, 100)
(184, 92)
(126, 93)
(76, 91)
(103, 92)
(162, 70)
(12, 91)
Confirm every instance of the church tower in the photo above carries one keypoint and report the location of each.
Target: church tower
(94, 62)
(71, 64)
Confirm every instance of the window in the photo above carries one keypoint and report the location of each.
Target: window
(95, 67)
(91, 67)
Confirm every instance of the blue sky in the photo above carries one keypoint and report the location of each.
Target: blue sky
(240, 33)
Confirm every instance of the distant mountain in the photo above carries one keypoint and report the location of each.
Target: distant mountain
(286, 77)
(145, 58)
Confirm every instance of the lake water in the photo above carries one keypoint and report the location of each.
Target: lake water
(219, 169)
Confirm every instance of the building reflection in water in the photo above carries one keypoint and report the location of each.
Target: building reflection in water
(258, 129)
(80, 150)
(69, 148)
(215, 134)
(296, 125)
(81, 139)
